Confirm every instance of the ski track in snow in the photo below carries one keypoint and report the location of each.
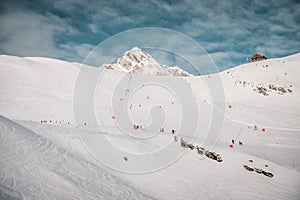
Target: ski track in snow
(32, 167)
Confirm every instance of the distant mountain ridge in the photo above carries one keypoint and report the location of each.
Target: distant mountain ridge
(138, 61)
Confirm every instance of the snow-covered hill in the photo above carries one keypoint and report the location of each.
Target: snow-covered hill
(37, 168)
(43, 157)
(37, 88)
(265, 92)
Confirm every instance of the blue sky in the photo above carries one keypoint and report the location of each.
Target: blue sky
(230, 31)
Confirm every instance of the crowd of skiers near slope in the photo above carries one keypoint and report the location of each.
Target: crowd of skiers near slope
(232, 143)
(162, 130)
(136, 127)
(50, 121)
(255, 128)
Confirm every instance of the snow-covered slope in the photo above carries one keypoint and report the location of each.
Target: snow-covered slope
(48, 160)
(265, 92)
(137, 60)
(34, 167)
(37, 88)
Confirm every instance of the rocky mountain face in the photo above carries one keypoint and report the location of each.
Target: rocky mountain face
(138, 61)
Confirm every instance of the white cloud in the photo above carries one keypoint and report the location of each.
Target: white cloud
(25, 33)
(75, 52)
(28, 34)
(229, 30)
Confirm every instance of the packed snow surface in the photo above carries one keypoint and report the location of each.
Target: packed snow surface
(44, 151)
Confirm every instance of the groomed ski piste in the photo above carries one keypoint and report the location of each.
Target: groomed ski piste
(48, 152)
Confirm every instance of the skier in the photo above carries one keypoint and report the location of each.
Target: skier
(232, 141)
(125, 158)
(173, 131)
(175, 138)
(255, 127)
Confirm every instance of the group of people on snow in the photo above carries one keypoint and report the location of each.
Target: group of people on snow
(136, 127)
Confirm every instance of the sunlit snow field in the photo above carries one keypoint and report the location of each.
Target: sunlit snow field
(47, 153)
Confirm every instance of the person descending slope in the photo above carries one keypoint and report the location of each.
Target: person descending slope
(175, 138)
(255, 128)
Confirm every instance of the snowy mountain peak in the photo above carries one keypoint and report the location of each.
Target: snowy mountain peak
(177, 71)
(138, 61)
